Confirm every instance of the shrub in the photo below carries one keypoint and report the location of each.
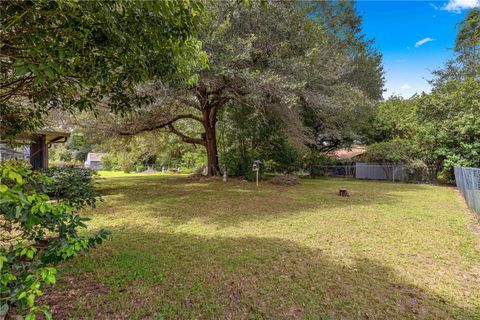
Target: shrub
(74, 185)
(185, 170)
(315, 160)
(109, 162)
(417, 170)
(393, 151)
(271, 166)
(140, 168)
(36, 234)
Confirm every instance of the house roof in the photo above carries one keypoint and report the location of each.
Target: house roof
(50, 137)
(94, 156)
(344, 154)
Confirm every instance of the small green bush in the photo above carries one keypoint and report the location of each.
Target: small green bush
(36, 234)
(75, 185)
(110, 162)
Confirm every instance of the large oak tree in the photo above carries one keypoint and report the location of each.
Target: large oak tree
(280, 59)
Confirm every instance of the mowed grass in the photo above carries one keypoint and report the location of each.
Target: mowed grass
(110, 174)
(183, 249)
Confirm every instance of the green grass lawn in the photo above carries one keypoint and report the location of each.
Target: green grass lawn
(109, 174)
(206, 249)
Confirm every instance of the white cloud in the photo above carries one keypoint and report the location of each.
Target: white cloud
(405, 87)
(458, 5)
(422, 42)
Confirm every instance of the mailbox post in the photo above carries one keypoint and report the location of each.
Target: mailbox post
(256, 168)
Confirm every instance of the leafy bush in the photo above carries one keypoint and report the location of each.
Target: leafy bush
(194, 159)
(393, 151)
(36, 234)
(315, 160)
(126, 163)
(270, 166)
(185, 170)
(74, 185)
(140, 168)
(109, 162)
(417, 170)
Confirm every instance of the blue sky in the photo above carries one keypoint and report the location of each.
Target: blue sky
(414, 37)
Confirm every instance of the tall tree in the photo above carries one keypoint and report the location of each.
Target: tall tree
(466, 63)
(69, 54)
(449, 126)
(275, 66)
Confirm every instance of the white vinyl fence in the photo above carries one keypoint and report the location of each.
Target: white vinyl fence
(360, 170)
(468, 182)
(375, 171)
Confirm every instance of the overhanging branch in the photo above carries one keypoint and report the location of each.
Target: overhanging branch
(160, 125)
(184, 137)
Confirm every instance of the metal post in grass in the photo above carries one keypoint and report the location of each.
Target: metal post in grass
(474, 191)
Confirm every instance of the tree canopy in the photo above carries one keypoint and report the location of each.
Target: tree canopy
(304, 65)
(70, 55)
(466, 63)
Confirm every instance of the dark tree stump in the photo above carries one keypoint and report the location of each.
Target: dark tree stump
(343, 192)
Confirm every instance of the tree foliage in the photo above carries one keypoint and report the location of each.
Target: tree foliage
(302, 65)
(393, 151)
(442, 127)
(449, 126)
(68, 54)
(466, 63)
(36, 234)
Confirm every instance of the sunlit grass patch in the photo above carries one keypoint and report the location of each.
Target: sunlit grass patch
(207, 249)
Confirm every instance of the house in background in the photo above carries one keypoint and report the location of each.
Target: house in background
(349, 155)
(7, 153)
(94, 161)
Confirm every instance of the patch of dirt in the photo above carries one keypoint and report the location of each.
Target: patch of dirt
(233, 292)
(285, 180)
(62, 298)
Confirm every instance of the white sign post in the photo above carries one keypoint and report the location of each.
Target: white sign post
(256, 168)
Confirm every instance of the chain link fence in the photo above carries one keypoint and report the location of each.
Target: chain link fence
(372, 171)
(468, 182)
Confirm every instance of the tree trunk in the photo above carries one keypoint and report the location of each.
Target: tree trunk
(209, 123)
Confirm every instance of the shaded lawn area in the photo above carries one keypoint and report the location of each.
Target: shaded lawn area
(205, 249)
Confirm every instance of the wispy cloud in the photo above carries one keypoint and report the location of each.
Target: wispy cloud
(405, 87)
(422, 42)
(458, 5)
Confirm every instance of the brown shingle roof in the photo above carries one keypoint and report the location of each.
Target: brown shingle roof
(343, 154)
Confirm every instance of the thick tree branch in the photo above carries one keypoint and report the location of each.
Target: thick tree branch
(184, 137)
(160, 125)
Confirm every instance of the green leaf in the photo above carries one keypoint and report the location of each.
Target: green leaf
(31, 316)
(31, 300)
(2, 260)
(48, 314)
(3, 188)
(3, 310)
(15, 176)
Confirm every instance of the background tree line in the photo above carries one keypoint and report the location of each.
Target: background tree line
(287, 115)
(441, 129)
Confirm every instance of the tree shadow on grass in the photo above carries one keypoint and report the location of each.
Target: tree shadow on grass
(227, 204)
(181, 276)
